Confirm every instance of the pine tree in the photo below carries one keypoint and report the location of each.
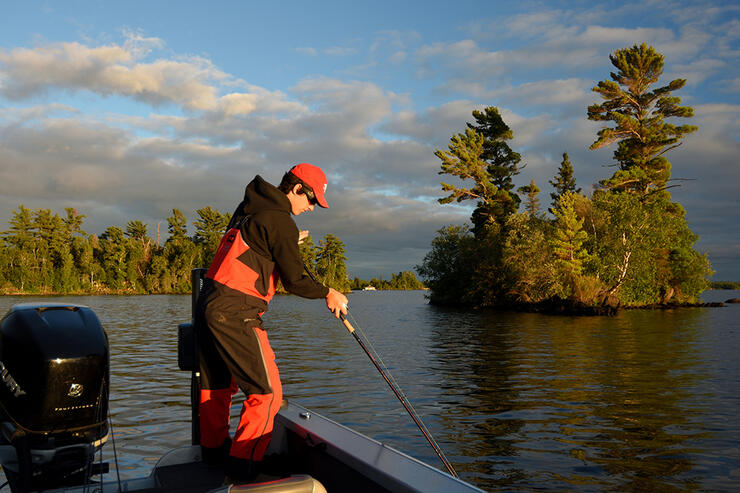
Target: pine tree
(308, 252)
(181, 254)
(139, 254)
(532, 204)
(481, 154)
(639, 114)
(137, 230)
(503, 162)
(330, 266)
(567, 242)
(112, 254)
(22, 256)
(564, 181)
(208, 231)
(177, 227)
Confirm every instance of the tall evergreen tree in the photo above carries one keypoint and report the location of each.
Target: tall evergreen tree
(177, 227)
(503, 162)
(48, 244)
(564, 181)
(84, 259)
(330, 263)
(112, 255)
(139, 254)
(181, 253)
(532, 204)
(4, 266)
(308, 252)
(481, 154)
(209, 229)
(137, 230)
(22, 258)
(639, 114)
(567, 242)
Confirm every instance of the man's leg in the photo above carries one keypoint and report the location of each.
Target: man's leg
(258, 412)
(217, 389)
(246, 351)
(215, 410)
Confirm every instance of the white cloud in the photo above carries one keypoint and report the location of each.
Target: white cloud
(307, 50)
(114, 69)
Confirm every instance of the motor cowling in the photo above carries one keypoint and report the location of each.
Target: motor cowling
(54, 380)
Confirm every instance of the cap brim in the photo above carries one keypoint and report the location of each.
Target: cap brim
(321, 201)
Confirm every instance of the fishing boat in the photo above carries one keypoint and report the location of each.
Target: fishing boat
(54, 367)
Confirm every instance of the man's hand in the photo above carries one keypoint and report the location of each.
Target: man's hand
(302, 235)
(336, 302)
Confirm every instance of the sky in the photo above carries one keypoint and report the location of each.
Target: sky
(128, 110)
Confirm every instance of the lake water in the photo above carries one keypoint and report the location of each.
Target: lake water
(643, 401)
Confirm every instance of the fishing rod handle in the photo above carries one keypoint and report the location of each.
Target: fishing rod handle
(347, 324)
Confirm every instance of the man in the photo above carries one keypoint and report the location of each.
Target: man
(259, 247)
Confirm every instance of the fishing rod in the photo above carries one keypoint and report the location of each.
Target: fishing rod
(394, 387)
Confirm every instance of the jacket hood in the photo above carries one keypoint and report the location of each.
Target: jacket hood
(260, 196)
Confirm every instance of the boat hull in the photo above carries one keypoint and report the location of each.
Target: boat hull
(309, 445)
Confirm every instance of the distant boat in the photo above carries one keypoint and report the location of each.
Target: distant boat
(369, 288)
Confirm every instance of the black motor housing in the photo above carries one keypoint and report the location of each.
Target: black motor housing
(54, 381)
(54, 368)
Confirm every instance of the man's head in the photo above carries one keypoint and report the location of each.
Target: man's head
(304, 185)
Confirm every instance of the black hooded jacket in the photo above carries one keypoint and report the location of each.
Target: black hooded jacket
(264, 219)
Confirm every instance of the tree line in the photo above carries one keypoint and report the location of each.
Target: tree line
(627, 243)
(43, 252)
(405, 280)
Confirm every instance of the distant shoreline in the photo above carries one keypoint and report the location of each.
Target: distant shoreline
(724, 285)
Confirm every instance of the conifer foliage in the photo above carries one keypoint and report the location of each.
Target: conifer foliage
(638, 113)
(626, 244)
(44, 253)
(532, 204)
(564, 181)
(482, 155)
(569, 236)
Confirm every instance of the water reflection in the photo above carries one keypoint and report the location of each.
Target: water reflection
(576, 402)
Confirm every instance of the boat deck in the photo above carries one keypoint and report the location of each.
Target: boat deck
(191, 477)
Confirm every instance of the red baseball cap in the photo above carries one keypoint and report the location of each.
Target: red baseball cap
(314, 178)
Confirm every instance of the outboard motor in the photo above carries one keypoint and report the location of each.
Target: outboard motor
(54, 380)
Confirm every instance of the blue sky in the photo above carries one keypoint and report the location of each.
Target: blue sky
(126, 110)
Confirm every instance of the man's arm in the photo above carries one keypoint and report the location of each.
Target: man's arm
(283, 242)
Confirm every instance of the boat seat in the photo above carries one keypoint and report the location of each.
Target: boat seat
(295, 484)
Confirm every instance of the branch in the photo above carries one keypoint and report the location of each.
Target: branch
(608, 187)
(651, 192)
(668, 149)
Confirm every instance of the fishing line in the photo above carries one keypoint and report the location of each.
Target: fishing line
(390, 377)
(391, 381)
(105, 394)
(115, 455)
(99, 410)
(377, 355)
(383, 369)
